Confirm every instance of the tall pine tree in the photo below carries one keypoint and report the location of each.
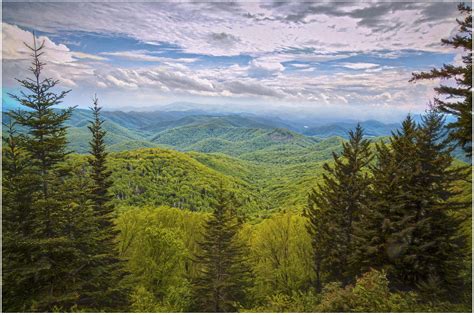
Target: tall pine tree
(380, 234)
(223, 276)
(19, 182)
(409, 228)
(461, 107)
(335, 207)
(435, 248)
(100, 175)
(104, 290)
(47, 271)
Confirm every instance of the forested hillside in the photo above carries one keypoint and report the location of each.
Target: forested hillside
(194, 131)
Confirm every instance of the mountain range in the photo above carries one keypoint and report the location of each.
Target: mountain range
(195, 130)
(246, 136)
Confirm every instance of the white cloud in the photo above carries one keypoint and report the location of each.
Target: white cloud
(299, 65)
(359, 65)
(143, 55)
(14, 47)
(265, 67)
(249, 28)
(81, 55)
(61, 63)
(272, 35)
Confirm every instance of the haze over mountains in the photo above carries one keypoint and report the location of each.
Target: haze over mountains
(203, 131)
(246, 136)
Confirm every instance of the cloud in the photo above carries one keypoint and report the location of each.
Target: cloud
(14, 48)
(299, 65)
(294, 53)
(61, 63)
(230, 29)
(169, 79)
(251, 88)
(387, 87)
(359, 65)
(143, 55)
(437, 11)
(223, 39)
(264, 67)
(82, 55)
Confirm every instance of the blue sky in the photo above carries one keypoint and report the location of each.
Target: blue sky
(351, 60)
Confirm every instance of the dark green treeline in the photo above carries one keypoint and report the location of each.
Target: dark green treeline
(396, 214)
(58, 238)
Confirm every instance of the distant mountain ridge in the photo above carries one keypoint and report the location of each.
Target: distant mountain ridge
(372, 128)
(199, 130)
(247, 136)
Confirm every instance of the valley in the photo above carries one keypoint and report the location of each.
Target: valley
(177, 158)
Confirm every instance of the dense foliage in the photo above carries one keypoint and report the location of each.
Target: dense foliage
(223, 275)
(335, 208)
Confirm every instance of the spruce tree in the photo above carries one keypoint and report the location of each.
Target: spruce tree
(374, 241)
(461, 107)
(409, 228)
(223, 274)
(318, 227)
(372, 230)
(18, 185)
(100, 175)
(434, 248)
(52, 254)
(335, 207)
(105, 271)
(45, 125)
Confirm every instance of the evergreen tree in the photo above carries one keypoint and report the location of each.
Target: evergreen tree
(100, 175)
(434, 249)
(18, 185)
(318, 227)
(372, 230)
(335, 207)
(223, 276)
(409, 228)
(105, 270)
(45, 125)
(461, 108)
(52, 257)
(374, 235)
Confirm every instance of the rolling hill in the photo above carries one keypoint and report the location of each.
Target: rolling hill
(179, 158)
(249, 137)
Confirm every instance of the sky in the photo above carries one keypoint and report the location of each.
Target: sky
(328, 59)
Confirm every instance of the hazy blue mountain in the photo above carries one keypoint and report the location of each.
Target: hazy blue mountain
(372, 128)
(247, 136)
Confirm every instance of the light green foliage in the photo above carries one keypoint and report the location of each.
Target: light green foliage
(164, 177)
(297, 302)
(280, 255)
(158, 264)
(369, 294)
(158, 244)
